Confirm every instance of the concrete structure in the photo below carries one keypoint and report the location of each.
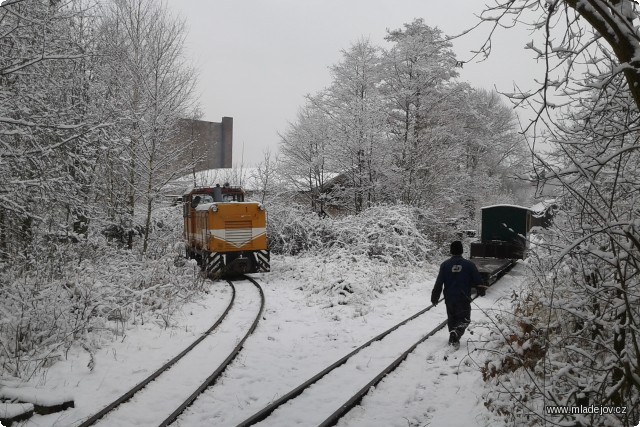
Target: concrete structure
(212, 143)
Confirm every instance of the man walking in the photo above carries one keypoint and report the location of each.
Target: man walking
(458, 276)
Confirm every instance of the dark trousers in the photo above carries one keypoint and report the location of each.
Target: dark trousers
(458, 316)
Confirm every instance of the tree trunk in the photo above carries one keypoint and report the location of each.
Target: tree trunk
(621, 39)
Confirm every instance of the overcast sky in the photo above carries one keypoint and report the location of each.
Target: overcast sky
(257, 59)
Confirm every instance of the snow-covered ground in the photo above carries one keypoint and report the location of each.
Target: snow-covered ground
(302, 331)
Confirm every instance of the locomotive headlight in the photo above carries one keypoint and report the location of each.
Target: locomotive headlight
(214, 207)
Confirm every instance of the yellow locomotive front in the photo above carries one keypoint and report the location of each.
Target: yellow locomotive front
(225, 234)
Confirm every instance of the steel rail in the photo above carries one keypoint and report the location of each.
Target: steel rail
(216, 374)
(267, 410)
(357, 397)
(129, 394)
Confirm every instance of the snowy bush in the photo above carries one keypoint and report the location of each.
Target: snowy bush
(343, 279)
(352, 259)
(391, 234)
(73, 290)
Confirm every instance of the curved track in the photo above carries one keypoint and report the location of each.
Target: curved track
(195, 354)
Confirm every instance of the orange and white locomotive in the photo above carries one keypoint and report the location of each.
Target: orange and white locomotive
(225, 234)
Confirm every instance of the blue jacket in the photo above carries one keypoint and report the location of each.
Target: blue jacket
(458, 276)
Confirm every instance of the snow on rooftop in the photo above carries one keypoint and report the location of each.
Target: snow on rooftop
(247, 178)
(542, 206)
(505, 206)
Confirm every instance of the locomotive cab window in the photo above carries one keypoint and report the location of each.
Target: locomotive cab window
(233, 198)
(206, 198)
(199, 199)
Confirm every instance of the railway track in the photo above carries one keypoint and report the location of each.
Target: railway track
(142, 398)
(286, 410)
(280, 411)
(173, 387)
(287, 403)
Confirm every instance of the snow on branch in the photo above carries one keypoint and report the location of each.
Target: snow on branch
(49, 148)
(17, 67)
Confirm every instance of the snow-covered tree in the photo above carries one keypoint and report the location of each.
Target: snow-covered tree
(49, 138)
(395, 127)
(72, 148)
(303, 146)
(575, 39)
(416, 72)
(493, 152)
(151, 89)
(264, 175)
(47, 120)
(357, 123)
(579, 321)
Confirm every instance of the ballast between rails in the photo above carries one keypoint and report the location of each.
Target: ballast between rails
(492, 276)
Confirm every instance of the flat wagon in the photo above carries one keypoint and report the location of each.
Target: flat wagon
(503, 240)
